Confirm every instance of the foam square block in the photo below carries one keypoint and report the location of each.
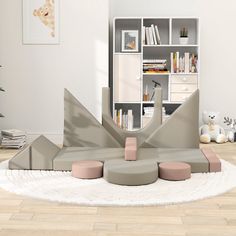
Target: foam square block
(131, 149)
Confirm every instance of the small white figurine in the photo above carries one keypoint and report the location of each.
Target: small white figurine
(231, 133)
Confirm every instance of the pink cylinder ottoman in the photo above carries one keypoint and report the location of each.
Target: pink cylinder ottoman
(87, 169)
(174, 171)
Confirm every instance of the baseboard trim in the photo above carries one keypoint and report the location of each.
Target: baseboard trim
(55, 138)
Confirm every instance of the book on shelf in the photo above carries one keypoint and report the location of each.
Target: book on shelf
(152, 35)
(183, 64)
(186, 62)
(147, 36)
(143, 35)
(158, 35)
(124, 120)
(130, 120)
(115, 116)
(172, 62)
(177, 62)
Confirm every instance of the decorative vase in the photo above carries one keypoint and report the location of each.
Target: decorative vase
(183, 40)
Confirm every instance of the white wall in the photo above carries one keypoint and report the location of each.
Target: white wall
(218, 43)
(34, 76)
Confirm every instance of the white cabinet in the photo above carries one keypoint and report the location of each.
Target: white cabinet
(127, 78)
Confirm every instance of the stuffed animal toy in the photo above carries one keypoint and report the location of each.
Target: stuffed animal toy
(211, 131)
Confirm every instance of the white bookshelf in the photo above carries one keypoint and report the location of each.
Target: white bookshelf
(128, 79)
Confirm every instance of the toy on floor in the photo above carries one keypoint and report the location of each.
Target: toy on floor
(211, 131)
(231, 135)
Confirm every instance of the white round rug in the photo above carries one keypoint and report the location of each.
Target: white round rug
(62, 187)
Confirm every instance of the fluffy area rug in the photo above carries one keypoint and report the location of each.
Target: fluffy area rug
(62, 187)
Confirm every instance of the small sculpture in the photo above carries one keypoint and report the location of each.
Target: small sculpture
(211, 131)
(231, 135)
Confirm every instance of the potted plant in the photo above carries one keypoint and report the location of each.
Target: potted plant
(183, 39)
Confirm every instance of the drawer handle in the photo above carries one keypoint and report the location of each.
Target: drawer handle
(184, 79)
(184, 97)
(185, 89)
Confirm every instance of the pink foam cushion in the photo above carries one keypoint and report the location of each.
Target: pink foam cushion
(174, 171)
(131, 149)
(213, 159)
(87, 169)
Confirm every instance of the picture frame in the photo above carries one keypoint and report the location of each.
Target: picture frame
(129, 40)
(40, 21)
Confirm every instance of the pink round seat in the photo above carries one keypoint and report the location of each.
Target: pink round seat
(174, 171)
(87, 169)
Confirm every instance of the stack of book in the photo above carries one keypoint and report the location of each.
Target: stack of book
(155, 66)
(124, 120)
(13, 138)
(183, 64)
(148, 111)
(151, 35)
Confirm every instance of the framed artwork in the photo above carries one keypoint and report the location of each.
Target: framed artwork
(40, 21)
(129, 41)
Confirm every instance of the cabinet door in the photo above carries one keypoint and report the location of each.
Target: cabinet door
(127, 78)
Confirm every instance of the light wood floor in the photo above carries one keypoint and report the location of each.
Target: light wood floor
(216, 216)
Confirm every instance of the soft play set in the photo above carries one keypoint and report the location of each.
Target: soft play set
(168, 150)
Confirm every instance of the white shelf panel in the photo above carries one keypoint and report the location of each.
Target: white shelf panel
(164, 102)
(171, 45)
(127, 53)
(160, 74)
(127, 102)
(183, 73)
(157, 74)
(184, 45)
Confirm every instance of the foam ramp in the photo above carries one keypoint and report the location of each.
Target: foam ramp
(81, 129)
(181, 129)
(38, 155)
(21, 161)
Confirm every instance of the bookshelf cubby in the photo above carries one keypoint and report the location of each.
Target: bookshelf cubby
(190, 24)
(131, 76)
(123, 24)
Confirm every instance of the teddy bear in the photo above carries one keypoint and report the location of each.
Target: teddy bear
(46, 15)
(211, 131)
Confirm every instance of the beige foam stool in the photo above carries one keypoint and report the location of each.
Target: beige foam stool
(130, 173)
(87, 169)
(174, 171)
